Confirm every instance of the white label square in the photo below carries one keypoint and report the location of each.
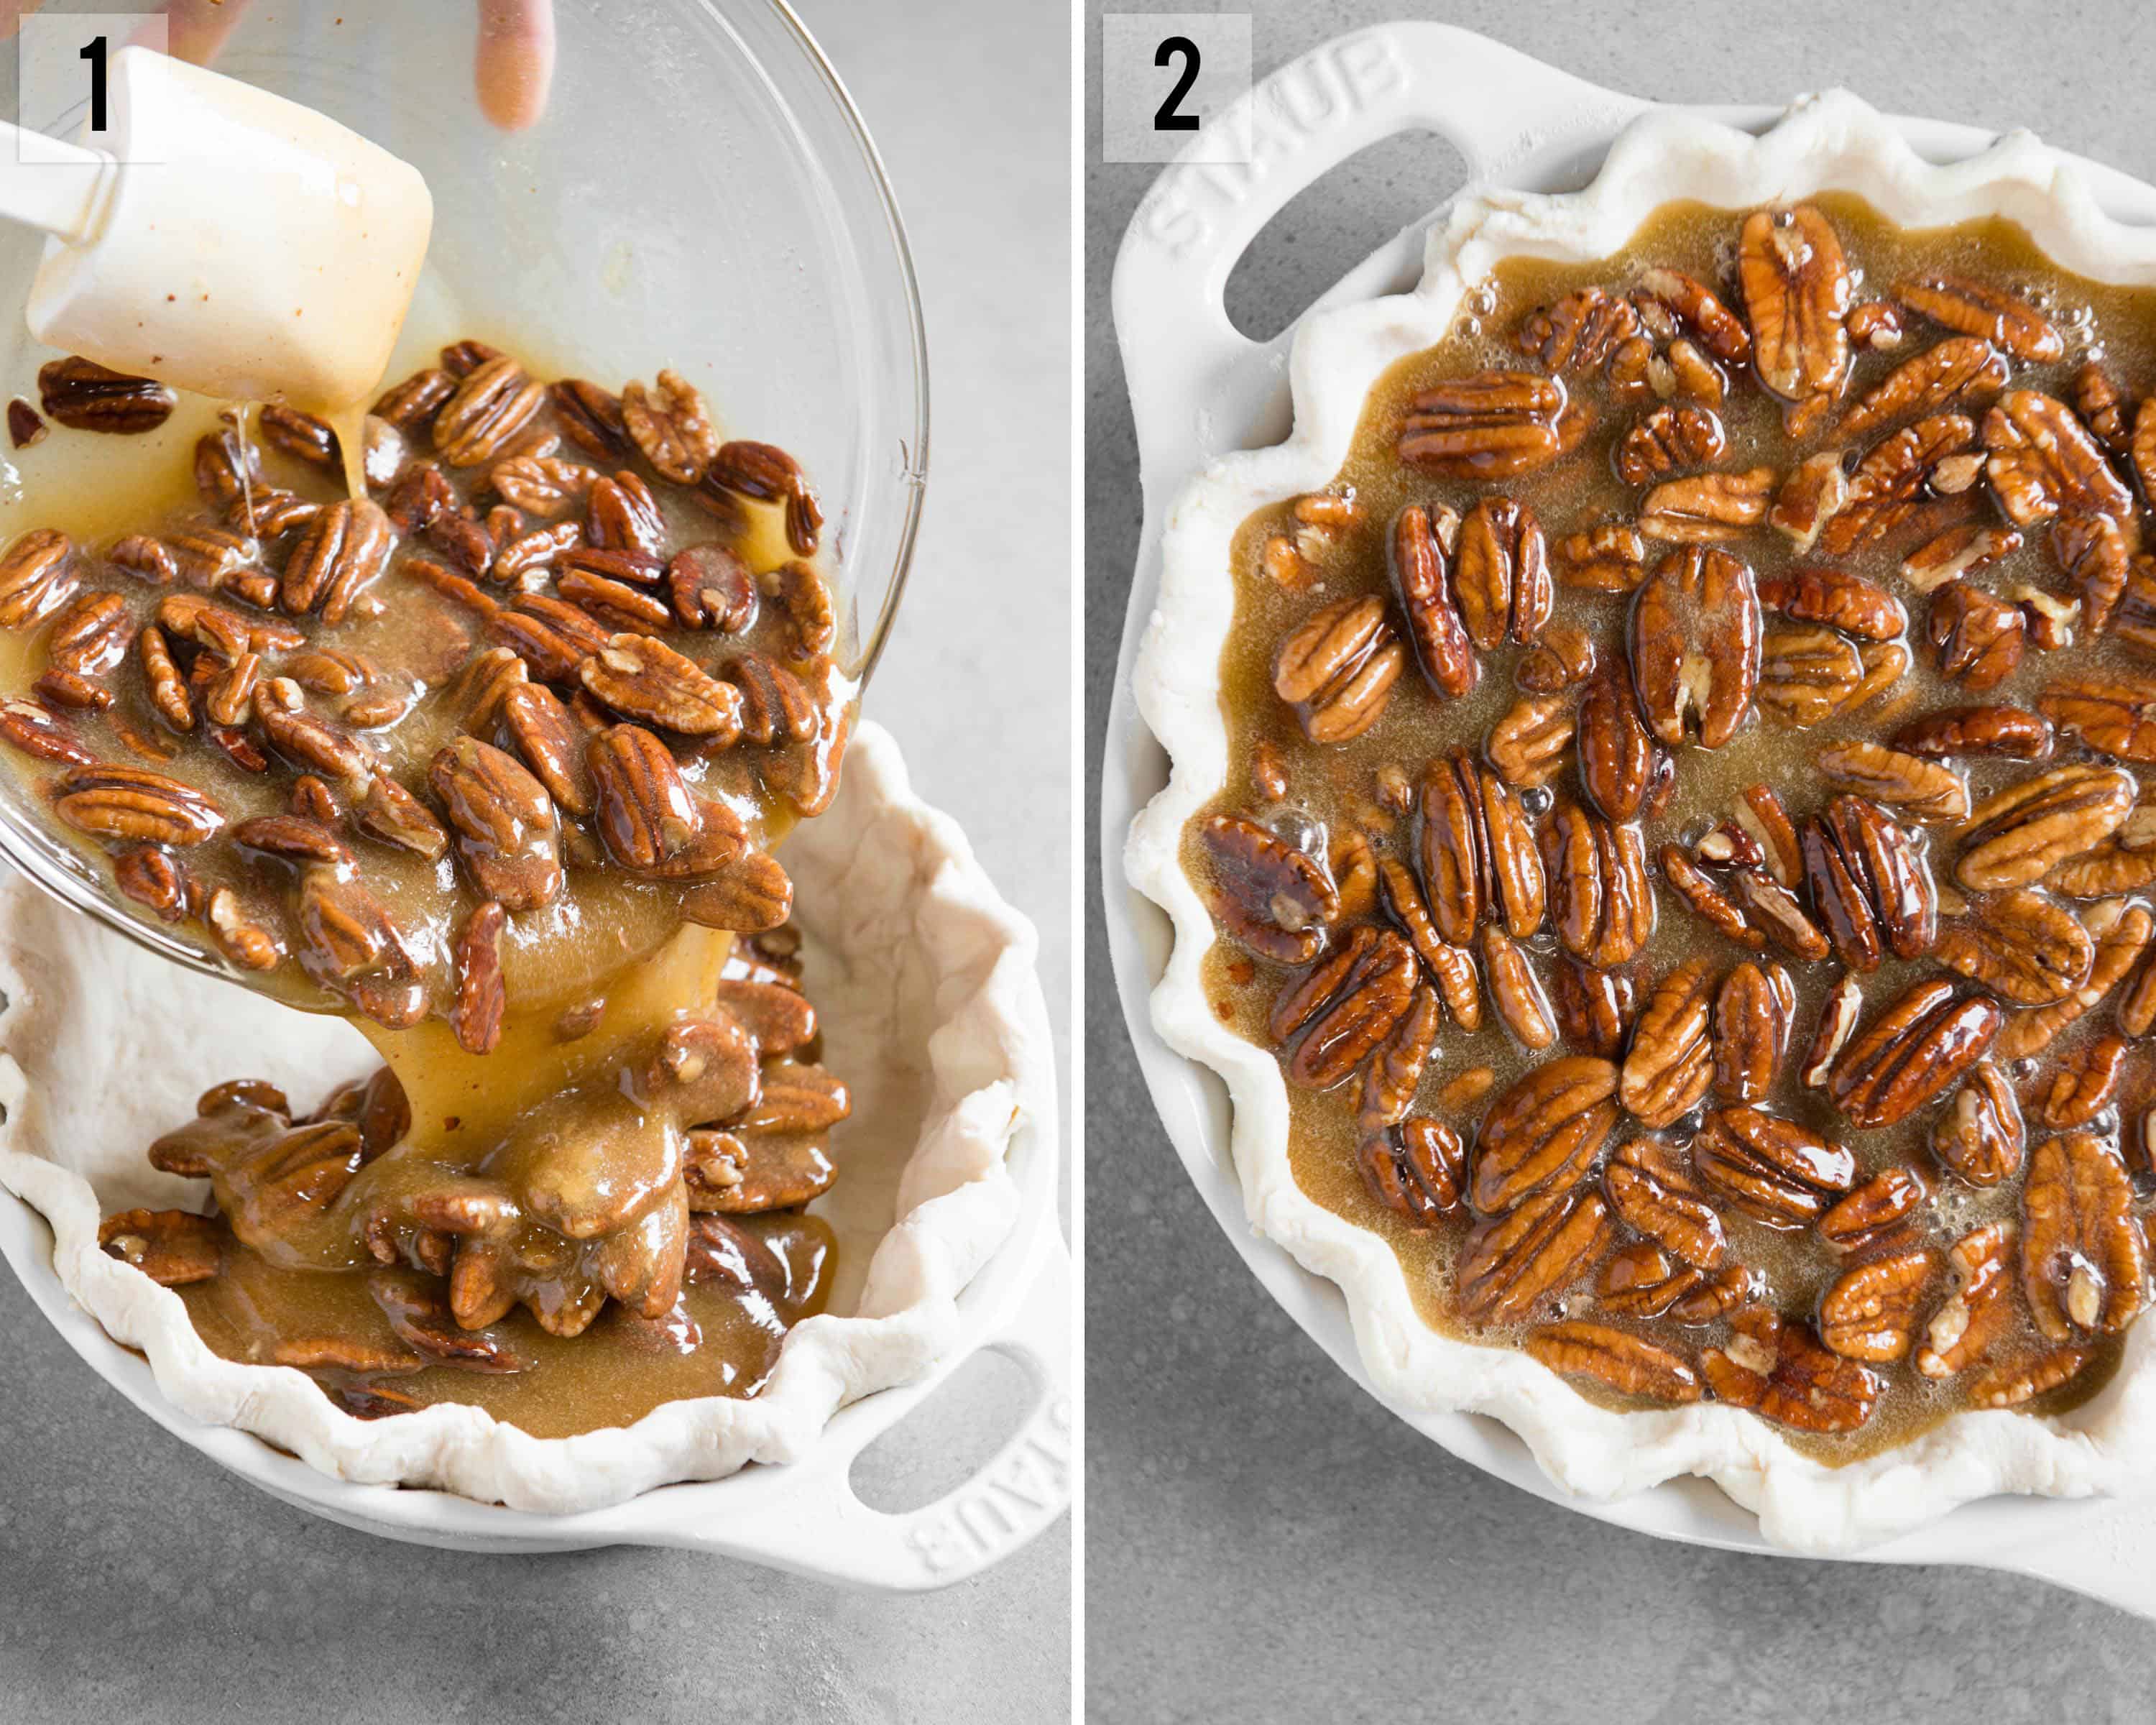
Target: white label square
(64, 84)
(1175, 80)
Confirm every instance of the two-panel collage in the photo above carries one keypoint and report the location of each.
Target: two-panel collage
(1013, 861)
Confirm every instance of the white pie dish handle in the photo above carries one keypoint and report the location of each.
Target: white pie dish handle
(1497, 107)
(1553, 136)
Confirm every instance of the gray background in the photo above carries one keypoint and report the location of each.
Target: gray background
(140, 1582)
(1264, 1542)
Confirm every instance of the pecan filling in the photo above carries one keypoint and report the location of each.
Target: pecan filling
(475, 721)
(1687, 838)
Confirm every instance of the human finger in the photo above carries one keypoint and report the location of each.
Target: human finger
(514, 64)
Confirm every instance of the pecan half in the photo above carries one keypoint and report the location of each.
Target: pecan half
(38, 575)
(1578, 333)
(1345, 1006)
(2012, 1383)
(481, 999)
(1959, 366)
(1778, 1370)
(1491, 426)
(2042, 463)
(1617, 753)
(669, 426)
(1614, 1358)
(1708, 508)
(1595, 1007)
(1419, 564)
(1775, 1170)
(1980, 1137)
(1528, 744)
(2114, 714)
(1960, 551)
(1695, 648)
(109, 801)
(1874, 1212)
(647, 680)
(1509, 1265)
(1652, 1193)
(507, 833)
(1755, 1009)
(1562, 657)
(2012, 732)
(1796, 288)
(85, 396)
(1979, 1308)
(1888, 486)
(173, 1248)
(1609, 558)
(1869, 1312)
(2018, 835)
(1807, 674)
(1926, 789)
(1514, 991)
(1812, 592)
(2083, 1083)
(491, 403)
(1671, 1060)
(2082, 1256)
(1669, 440)
(1598, 891)
(1337, 670)
(2122, 932)
(1912, 1052)
(1275, 898)
(1639, 1280)
(1394, 1073)
(1451, 967)
(1500, 578)
(1977, 308)
(2024, 945)
(1544, 1132)
(1419, 1172)
(343, 550)
(1477, 852)
(646, 814)
(1869, 883)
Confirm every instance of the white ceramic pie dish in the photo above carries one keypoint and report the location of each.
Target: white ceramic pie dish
(948, 1237)
(1202, 395)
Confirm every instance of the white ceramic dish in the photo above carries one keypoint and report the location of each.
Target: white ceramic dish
(1201, 391)
(946, 1220)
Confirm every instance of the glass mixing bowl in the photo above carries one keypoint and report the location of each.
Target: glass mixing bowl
(701, 192)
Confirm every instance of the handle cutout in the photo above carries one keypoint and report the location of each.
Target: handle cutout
(1335, 223)
(949, 1438)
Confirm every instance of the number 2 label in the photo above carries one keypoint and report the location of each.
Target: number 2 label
(1166, 118)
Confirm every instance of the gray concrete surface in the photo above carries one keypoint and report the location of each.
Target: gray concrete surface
(140, 1582)
(1264, 1542)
